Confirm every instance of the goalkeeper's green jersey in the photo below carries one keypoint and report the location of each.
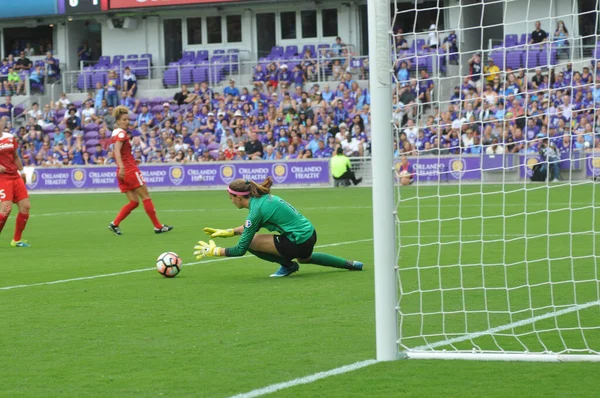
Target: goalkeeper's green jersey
(276, 215)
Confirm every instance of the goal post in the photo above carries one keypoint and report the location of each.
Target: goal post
(474, 259)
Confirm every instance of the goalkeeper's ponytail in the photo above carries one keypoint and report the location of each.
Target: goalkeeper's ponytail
(254, 190)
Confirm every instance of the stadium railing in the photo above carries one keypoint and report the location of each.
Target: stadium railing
(216, 74)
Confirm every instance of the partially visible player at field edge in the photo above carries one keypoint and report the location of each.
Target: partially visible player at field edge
(129, 177)
(12, 188)
(295, 239)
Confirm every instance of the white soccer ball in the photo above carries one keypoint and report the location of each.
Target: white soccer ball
(168, 264)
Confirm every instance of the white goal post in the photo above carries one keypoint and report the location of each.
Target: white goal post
(485, 156)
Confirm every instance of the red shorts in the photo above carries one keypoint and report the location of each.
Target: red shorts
(273, 83)
(12, 190)
(133, 180)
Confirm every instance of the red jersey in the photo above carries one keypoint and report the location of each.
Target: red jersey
(8, 151)
(126, 155)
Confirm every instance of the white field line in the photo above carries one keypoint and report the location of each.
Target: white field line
(305, 380)
(133, 271)
(508, 326)
(358, 365)
(325, 208)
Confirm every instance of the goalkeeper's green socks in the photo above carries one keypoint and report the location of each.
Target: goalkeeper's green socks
(327, 260)
(273, 258)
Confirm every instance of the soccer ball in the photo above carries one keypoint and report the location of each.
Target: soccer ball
(168, 264)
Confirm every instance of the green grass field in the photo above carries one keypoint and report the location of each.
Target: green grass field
(222, 328)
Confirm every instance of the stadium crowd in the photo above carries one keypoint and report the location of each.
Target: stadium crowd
(285, 116)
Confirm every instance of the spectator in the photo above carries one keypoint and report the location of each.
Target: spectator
(52, 67)
(112, 87)
(337, 47)
(129, 82)
(551, 156)
(433, 40)
(341, 168)
(231, 89)
(259, 77)
(538, 36)
(254, 148)
(84, 53)
(561, 36)
(475, 71)
(14, 84)
(404, 171)
(28, 50)
(23, 63)
(491, 70)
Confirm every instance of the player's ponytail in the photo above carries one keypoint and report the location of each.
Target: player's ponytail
(120, 111)
(247, 188)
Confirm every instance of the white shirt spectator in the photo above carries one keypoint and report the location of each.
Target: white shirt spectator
(87, 114)
(411, 133)
(36, 114)
(433, 36)
(498, 150)
(350, 147)
(64, 101)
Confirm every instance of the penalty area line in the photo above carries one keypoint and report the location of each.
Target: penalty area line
(134, 271)
(305, 380)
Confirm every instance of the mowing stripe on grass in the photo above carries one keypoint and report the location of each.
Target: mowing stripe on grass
(305, 380)
(328, 208)
(133, 271)
(508, 326)
(358, 365)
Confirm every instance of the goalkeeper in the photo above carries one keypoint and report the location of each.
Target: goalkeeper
(295, 238)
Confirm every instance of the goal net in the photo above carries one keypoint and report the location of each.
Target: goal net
(487, 98)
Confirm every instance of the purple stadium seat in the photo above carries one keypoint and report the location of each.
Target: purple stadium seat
(174, 107)
(233, 51)
(117, 59)
(186, 74)
(156, 109)
(104, 60)
(147, 56)
(132, 117)
(511, 40)
(91, 127)
(171, 77)
(91, 135)
(498, 57)
(277, 51)
(142, 68)
(51, 136)
(290, 51)
(202, 55)
(525, 38)
(60, 113)
(49, 128)
(92, 142)
(99, 77)
(531, 58)
(513, 59)
(200, 74)
(84, 81)
(213, 146)
(132, 56)
(188, 56)
(218, 51)
(310, 47)
(356, 63)
(323, 46)
(420, 43)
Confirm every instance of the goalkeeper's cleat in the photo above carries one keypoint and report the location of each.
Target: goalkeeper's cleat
(163, 229)
(355, 266)
(114, 229)
(21, 243)
(285, 271)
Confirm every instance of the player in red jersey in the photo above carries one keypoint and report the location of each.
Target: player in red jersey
(129, 176)
(12, 187)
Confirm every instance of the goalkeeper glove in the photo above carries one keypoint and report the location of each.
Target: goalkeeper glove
(204, 249)
(219, 233)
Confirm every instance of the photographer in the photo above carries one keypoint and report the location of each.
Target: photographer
(551, 156)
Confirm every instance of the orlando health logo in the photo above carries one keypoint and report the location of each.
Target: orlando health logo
(594, 165)
(227, 172)
(176, 174)
(78, 177)
(529, 163)
(457, 167)
(35, 178)
(279, 172)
